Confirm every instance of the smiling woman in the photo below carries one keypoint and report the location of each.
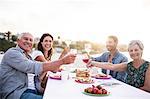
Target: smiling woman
(138, 70)
(43, 54)
(45, 45)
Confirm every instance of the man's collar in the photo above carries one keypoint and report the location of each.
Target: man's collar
(20, 49)
(115, 55)
(23, 51)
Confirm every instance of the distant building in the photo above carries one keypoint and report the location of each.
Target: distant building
(2, 35)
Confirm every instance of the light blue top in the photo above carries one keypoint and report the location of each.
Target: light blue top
(14, 68)
(118, 58)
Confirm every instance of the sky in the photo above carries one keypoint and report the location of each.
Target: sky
(91, 20)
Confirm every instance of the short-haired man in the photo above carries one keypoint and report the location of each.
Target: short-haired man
(113, 56)
(17, 63)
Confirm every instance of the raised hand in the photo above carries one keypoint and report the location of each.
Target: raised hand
(69, 58)
(90, 64)
(64, 52)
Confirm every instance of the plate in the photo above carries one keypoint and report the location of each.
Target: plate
(85, 60)
(90, 82)
(98, 95)
(55, 77)
(98, 76)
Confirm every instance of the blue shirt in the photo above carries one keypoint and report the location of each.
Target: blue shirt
(14, 68)
(118, 58)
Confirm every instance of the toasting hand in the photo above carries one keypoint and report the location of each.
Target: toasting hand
(90, 63)
(69, 58)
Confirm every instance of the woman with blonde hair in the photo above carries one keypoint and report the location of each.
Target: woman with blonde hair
(138, 70)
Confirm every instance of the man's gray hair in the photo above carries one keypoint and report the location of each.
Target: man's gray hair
(22, 34)
(136, 42)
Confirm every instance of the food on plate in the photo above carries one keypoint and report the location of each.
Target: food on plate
(82, 73)
(83, 76)
(58, 77)
(96, 90)
(102, 76)
(84, 80)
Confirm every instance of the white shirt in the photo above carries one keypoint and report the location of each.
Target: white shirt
(31, 84)
(36, 53)
(31, 81)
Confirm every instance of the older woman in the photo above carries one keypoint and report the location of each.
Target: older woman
(138, 70)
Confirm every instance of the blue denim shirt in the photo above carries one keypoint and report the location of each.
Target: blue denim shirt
(14, 68)
(118, 58)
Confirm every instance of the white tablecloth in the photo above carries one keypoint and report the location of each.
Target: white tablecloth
(58, 89)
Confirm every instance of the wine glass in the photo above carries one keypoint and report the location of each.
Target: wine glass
(59, 41)
(70, 51)
(85, 58)
(68, 42)
(87, 48)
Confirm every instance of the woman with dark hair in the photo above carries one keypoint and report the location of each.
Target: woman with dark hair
(44, 48)
(43, 53)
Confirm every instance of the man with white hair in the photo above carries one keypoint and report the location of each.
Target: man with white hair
(17, 63)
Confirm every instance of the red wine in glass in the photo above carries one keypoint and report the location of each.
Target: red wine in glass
(85, 60)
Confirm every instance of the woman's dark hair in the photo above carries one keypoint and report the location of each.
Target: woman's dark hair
(39, 46)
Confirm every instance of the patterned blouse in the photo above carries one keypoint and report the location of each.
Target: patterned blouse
(136, 76)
